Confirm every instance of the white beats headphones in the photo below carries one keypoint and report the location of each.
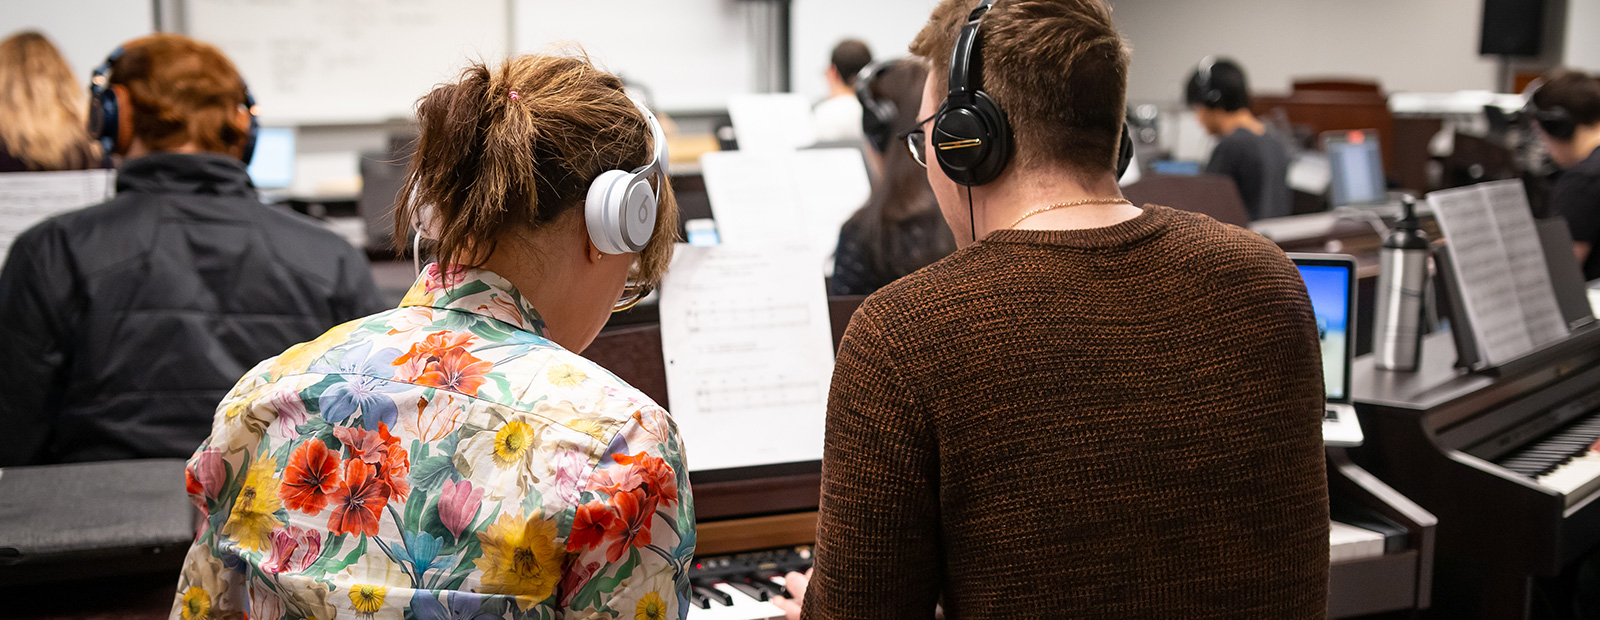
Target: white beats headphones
(621, 208)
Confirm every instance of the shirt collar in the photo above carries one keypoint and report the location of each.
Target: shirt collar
(185, 173)
(476, 291)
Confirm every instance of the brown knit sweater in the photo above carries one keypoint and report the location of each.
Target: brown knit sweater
(1113, 423)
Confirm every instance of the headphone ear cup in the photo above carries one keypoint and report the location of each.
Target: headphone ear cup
(1124, 151)
(620, 212)
(972, 140)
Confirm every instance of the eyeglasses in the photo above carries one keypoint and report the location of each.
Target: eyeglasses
(632, 294)
(917, 142)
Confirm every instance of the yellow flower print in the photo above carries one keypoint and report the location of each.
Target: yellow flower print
(513, 441)
(520, 557)
(367, 599)
(252, 520)
(300, 356)
(592, 428)
(565, 375)
(196, 604)
(651, 607)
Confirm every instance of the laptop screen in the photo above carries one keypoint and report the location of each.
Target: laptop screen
(272, 165)
(1328, 283)
(1356, 164)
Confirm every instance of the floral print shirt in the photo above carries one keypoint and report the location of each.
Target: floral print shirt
(440, 461)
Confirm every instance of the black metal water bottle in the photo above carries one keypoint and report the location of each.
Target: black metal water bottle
(1397, 332)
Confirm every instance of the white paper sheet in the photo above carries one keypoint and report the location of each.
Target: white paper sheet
(1536, 295)
(772, 122)
(27, 198)
(748, 348)
(797, 197)
(1484, 273)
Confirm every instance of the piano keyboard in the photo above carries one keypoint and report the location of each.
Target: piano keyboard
(1566, 461)
(739, 587)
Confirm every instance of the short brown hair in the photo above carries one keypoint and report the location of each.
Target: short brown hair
(1573, 91)
(1057, 68)
(182, 91)
(849, 57)
(489, 163)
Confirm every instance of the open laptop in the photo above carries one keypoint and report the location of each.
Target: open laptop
(1355, 162)
(1331, 282)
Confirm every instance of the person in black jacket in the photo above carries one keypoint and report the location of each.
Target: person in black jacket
(123, 325)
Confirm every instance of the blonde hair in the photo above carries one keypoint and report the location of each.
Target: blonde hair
(42, 108)
(489, 163)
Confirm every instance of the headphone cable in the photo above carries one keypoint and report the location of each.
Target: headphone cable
(972, 219)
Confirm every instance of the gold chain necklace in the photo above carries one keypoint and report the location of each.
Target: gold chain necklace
(1064, 205)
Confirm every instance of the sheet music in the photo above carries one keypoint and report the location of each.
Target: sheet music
(1484, 273)
(748, 347)
(27, 198)
(787, 197)
(1536, 295)
(772, 122)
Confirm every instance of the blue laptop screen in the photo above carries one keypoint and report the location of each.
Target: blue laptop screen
(272, 166)
(1329, 288)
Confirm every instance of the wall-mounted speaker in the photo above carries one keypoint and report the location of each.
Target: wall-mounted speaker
(1512, 28)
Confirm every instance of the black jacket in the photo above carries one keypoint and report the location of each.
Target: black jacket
(122, 325)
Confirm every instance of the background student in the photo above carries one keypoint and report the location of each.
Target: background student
(900, 229)
(532, 482)
(41, 109)
(123, 324)
(1091, 409)
(838, 118)
(1246, 152)
(1566, 110)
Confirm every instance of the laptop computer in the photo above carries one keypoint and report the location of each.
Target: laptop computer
(1331, 282)
(272, 166)
(1355, 161)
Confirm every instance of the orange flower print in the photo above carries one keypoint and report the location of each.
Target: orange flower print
(312, 474)
(456, 370)
(358, 503)
(630, 527)
(415, 361)
(656, 474)
(590, 525)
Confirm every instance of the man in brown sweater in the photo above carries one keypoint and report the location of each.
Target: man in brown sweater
(1096, 411)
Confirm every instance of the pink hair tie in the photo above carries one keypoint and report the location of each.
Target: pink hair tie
(513, 94)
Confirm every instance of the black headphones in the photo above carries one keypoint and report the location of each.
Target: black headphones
(109, 109)
(1555, 121)
(1210, 95)
(877, 115)
(971, 137)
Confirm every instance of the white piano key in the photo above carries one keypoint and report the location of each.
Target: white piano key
(1574, 475)
(1347, 542)
(743, 608)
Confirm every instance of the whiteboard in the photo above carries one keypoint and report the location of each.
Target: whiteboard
(348, 61)
(84, 30)
(689, 54)
(887, 26)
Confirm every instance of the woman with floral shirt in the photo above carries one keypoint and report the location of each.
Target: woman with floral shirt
(454, 457)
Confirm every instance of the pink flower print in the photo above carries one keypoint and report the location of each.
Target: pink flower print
(205, 473)
(293, 550)
(436, 279)
(291, 412)
(569, 467)
(458, 505)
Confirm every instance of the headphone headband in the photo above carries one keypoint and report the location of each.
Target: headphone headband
(965, 54)
(1209, 93)
(1555, 120)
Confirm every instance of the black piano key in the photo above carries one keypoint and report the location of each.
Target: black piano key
(764, 583)
(749, 590)
(699, 600)
(714, 594)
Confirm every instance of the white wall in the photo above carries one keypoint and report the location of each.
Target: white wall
(887, 26)
(85, 30)
(1583, 35)
(1408, 45)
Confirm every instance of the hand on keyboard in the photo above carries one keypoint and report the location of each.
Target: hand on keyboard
(796, 584)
